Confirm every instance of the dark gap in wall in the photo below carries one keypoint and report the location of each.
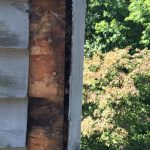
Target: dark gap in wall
(68, 45)
(29, 11)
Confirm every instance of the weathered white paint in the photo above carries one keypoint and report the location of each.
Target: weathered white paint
(14, 59)
(75, 106)
(14, 37)
(13, 117)
(13, 73)
(14, 24)
(13, 149)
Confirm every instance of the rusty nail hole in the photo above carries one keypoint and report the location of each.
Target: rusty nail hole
(54, 73)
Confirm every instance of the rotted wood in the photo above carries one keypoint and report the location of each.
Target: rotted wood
(46, 77)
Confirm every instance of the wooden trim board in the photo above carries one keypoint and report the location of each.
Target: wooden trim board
(77, 55)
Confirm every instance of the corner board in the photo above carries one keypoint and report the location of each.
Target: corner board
(75, 102)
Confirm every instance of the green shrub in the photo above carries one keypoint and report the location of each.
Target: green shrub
(116, 102)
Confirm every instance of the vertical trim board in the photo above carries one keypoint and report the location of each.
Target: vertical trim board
(75, 106)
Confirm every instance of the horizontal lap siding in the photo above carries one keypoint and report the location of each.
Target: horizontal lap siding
(13, 73)
(14, 60)
(13, 116)
(14, 24)
(46, 80)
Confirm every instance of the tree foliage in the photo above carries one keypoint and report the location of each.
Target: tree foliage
(116, 103)
(117, 23)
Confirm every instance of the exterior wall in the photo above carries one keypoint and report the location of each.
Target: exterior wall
(46, 77)
(55, 74)
(14, 60)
